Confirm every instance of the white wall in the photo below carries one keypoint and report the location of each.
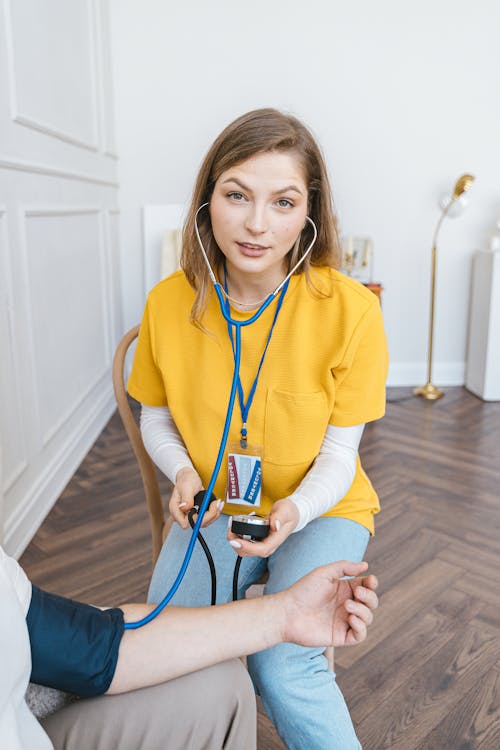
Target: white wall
(60, 301)
(402, 96)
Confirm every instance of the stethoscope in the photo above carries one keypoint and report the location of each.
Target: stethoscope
(223, 298)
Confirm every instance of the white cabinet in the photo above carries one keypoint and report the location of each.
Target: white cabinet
(483, 354)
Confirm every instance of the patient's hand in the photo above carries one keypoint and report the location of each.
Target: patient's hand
(322, 610)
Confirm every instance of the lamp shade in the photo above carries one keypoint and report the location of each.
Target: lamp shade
(462, 185)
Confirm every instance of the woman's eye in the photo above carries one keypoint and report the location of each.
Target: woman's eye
(284, 203)
(236, 196)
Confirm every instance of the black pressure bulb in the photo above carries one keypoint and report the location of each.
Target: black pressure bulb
(198, 499)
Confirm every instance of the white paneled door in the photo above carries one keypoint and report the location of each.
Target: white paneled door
(60, 315)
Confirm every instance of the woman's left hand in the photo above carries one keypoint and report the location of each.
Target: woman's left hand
(283, 519)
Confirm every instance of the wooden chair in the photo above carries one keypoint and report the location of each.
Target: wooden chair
(159, 525)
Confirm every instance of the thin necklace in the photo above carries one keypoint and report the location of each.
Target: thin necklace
(237, 302)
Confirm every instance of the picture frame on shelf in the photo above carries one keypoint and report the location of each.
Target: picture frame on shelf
(357, 258)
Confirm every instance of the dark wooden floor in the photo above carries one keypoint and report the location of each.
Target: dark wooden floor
(428, 676)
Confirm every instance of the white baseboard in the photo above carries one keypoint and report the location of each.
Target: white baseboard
(415, 373)
(21, 527)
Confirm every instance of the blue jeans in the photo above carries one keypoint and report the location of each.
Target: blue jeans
(298, 691)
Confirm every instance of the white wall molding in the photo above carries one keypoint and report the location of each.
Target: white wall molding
(18, 469)
(95, 70)
(22, 118)
(47, 129)
(7, 162)
(99, 74)
(1, 495)
(106, 78)
(59, 290)
(64, 211)
(14, 476)
(21, 526)
(59, 210)
(415, 373)
(9, 51)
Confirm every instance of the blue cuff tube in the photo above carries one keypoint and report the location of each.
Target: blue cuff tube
(74, 646)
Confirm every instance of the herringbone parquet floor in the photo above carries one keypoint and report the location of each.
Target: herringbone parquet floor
(427, 678)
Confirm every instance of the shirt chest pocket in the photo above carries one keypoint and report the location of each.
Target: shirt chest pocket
(295, 424)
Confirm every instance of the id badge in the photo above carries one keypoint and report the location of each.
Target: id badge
(244, 475)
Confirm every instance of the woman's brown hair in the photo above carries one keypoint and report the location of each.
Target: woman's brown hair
(255, 132)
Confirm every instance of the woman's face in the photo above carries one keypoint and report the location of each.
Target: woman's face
(258, 209)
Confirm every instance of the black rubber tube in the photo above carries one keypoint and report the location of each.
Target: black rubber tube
(207, 553)
(235, 578)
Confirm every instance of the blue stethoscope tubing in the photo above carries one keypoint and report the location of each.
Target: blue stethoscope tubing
(238, 325)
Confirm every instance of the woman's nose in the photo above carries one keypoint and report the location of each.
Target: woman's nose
(256, 220)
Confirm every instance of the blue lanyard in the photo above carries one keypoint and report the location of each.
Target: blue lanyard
(245, 408)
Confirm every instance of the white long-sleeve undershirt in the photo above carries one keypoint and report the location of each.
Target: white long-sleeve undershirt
(324, 485)
(162, 441)
(331, 474)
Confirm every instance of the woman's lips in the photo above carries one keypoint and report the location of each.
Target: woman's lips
(251, 249)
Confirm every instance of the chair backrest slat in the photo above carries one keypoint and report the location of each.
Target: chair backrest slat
(147, 469)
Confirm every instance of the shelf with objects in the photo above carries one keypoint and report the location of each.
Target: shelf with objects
(357, 262)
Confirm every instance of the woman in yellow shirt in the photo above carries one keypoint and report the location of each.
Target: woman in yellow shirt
(313, 370)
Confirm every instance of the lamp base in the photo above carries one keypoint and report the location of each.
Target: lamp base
(429, 392)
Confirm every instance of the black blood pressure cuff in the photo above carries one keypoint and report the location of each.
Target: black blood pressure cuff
(74, 646)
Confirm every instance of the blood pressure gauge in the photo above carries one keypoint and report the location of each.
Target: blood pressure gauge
(250, 527)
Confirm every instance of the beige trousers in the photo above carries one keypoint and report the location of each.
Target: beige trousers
(207, 710)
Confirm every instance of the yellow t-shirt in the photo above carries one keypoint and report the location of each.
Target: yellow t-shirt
(326, 364)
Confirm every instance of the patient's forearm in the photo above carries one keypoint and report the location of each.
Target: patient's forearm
(181, 639)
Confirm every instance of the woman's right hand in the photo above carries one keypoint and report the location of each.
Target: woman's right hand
(187, 484)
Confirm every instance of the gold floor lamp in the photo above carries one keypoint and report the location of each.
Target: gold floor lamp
(451, 206)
